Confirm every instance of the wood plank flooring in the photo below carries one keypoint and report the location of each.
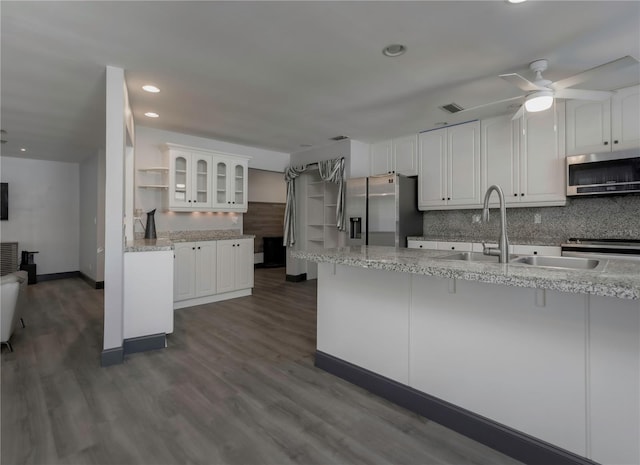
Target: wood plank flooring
(236, 385)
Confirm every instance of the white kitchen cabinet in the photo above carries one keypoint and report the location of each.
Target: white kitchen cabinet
(604, 126)
(416, 244)
(148, 293)
(542, 158)
(189, 180)
(201, 180)
(235, 265)
(210, 271)
(449, 167)
(525, 158)
(380, 161)
(195, 269)
(230, 183)
(399, 155)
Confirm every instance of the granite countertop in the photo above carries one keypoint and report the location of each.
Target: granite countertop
(493, 240)
(166, 240)
(618, 278)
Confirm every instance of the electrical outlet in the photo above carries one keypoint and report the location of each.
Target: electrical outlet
(537, 218)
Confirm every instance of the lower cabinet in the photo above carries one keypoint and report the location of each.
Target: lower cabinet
(210, 271)
(235, 265)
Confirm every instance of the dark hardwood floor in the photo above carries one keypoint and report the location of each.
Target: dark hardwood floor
(236, 385)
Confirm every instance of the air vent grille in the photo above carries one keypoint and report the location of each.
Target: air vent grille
(452, 107)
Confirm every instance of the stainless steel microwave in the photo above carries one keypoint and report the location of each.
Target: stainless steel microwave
(603, 173)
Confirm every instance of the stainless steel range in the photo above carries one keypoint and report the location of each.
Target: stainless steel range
(619, 249)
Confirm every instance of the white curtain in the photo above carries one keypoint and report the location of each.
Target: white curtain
(330, 171)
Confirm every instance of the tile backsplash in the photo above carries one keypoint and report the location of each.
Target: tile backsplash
(615, 216)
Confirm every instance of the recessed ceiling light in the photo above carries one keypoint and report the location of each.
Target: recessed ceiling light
(150, 88)
(394, 50)
(516, 1)
(22, 149)
(151, 114)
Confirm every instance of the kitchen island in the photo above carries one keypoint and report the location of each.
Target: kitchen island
(540, 363)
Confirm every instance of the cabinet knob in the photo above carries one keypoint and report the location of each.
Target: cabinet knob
(606, 142)
(615, 141)
(522, 195)
(420, 246)
(193, 248)
(189, 201)
(448, 198)
(228, 202)
(442, 198)
(515, 195)
(198, 248)
(453, 248)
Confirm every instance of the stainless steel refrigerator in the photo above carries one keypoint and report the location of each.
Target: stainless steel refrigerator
(382, 210)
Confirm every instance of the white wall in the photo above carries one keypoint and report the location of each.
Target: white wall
(89, 216)
(118, 117)
(267, 186)
(148, 153)
(44, 211)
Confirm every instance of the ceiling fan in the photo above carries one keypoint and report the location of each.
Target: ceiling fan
(541, 92)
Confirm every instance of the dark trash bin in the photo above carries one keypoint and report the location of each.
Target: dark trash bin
(274, 252)
(29, 266)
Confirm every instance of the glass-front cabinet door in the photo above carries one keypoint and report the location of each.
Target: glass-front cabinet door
(201, 185)
(240, 186)
(180, 179)
(221, 200)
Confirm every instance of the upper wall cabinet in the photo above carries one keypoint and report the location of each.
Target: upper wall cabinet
(525, 158)
(189, 180)
(399, 155)
(604, 126)
(449, 167)
(202, 180)
(230, 184)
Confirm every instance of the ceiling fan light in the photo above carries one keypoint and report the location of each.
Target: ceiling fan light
(539, 101)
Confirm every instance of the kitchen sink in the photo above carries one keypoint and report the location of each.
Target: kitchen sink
(573, 263)
(471, 257)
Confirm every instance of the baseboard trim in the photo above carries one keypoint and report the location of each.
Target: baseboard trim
(64, 275)
(143, 343)
(296, 278)
(91, 282)
(513, 443)
(110, 357)
(208, 299)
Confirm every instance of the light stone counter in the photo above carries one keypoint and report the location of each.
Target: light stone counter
(166, 240)
(618, 278)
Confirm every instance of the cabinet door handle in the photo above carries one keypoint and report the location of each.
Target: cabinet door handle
(606, 142)
(615, 141)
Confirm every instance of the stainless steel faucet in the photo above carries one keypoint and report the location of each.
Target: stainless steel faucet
(502, 251)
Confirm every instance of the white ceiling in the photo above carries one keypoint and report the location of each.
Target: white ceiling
(281, 74)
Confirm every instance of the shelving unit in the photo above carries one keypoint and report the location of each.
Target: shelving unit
(154, 177)
(319, 223)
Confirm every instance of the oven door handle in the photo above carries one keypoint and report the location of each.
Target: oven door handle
(601, 256)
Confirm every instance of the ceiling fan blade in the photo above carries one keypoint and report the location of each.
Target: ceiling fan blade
(519, 81)
(580, 94)
(518, 114)
(497, 102)
(593, 72)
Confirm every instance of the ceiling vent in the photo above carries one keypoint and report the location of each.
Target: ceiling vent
(452, 108)
(339, 138)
